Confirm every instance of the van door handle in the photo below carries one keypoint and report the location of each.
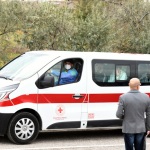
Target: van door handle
(77, 96)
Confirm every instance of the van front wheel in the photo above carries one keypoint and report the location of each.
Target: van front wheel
(23, 128)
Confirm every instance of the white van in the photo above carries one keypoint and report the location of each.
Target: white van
(32, 98)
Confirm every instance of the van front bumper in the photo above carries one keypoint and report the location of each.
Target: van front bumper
(4, 121)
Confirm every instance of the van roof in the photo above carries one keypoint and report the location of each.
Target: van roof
(95, 55)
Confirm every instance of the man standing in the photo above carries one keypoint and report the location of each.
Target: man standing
(132, 109)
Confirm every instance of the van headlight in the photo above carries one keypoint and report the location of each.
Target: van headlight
(5, 91)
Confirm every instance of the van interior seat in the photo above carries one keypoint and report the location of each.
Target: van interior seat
(78, 67)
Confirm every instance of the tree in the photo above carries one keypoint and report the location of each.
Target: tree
(91, 25)
(132, 26)
(12, 14)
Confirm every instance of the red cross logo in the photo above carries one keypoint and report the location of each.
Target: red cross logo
(60, 110)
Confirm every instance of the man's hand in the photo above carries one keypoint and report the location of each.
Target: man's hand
(148, 133)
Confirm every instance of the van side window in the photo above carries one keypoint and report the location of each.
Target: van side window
(65, 72)
(144, 73)
(103, 72)
(55, 72)
(99, 73)
(122, 72)
(110, 73)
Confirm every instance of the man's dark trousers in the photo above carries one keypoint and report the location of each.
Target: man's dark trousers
(134, 139)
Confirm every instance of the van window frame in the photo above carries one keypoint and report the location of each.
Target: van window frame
(130, 63)
(76, 59)
(137, 71)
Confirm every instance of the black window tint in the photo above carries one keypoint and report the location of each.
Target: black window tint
(99, 74)
(144, 72)
(111, 72)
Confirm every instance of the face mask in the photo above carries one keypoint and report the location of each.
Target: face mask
(67, 67)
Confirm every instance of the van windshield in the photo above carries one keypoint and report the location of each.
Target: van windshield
(24, 66)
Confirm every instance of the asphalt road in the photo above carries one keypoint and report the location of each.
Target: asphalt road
(73, 140)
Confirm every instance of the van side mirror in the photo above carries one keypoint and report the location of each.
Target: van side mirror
(48, 81)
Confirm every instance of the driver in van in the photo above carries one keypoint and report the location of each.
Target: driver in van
(69, 74)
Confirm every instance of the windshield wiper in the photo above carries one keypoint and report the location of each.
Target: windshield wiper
(5, 78)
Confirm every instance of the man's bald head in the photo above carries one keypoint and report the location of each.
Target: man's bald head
(134, 84)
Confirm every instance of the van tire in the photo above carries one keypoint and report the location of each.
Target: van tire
(23, 128)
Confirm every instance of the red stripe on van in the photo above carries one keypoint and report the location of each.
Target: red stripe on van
(61, 98)
(44, 98)
(104, 98)
(31, 98)
(109, 97)
(6, 103)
